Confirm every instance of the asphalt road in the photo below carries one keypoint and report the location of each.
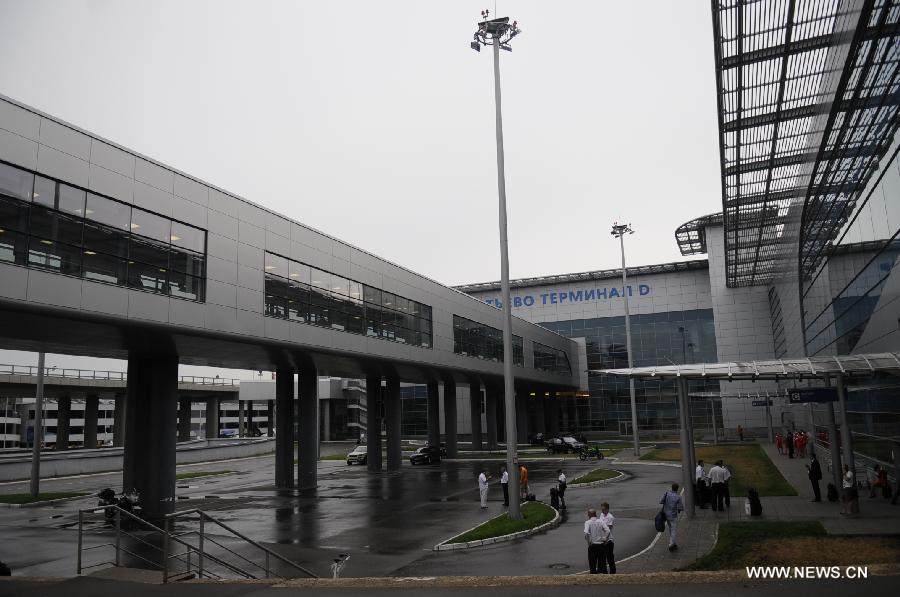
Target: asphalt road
(388, 522)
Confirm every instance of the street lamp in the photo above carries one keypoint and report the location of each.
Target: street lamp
(498, 33)
(619, 231)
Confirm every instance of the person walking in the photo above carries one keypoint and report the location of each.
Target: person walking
(609, 520)
(483, 489)
(671, 506)
(700, 478)
(740, 431)
(849, 496)
(815, 475)
(561, 488)
(596, 533)
(523, 482)
(779, 443)
(789, 443)
(717, 476)
(504, 484)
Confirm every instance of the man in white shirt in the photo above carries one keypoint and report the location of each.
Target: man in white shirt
(700, 478)
(483, 489)
(717, 476)
(504, 484)
(561, 488)
(596, 533)
(609, 520)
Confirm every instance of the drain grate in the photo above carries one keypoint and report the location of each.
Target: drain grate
(559, 566)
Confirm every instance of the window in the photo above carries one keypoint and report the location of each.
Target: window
(299, 292)
(550, 359)
(475, 339)
(47, 224)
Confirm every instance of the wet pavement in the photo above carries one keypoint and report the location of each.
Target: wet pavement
(388, 522)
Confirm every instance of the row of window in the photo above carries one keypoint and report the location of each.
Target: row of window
(475, 339)
(48, 224)
(305, 294)
(551, 359)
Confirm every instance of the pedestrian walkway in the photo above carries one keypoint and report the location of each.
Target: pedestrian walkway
(695, 538)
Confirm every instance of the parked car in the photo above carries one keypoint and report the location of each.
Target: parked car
(425, 455)
(566, 444)
(537, 439)
(359, 455)
(443, 447)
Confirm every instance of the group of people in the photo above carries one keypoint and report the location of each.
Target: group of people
(598, 533)
(713, 487)
(524, 488)
(792, 441)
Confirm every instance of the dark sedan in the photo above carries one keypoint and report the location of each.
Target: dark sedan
(425, 455)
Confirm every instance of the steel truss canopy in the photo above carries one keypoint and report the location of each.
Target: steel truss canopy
(691, 236)
(855, 365)
(808, 99)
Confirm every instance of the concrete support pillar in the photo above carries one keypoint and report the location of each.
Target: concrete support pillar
(119, 416)
(251, 429)
(284, 423)
(540, 414)
(434, 414)
(553, 414)
(91, 410)
(270, 418)
(450, 418)
(522, 417)
(392, 423)
(490, 407)
(325, 406)
(212, 418)
(63, 419)
(184, 419)
(149, 461)
(475, 413)
(242, 429)
(308, 457)
(834, 446)
(687, 465)
(373, 422)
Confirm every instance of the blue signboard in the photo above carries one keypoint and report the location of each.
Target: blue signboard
(803, 395)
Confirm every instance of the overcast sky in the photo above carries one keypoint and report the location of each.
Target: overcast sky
(374, 121)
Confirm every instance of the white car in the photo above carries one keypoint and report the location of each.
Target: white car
(359, 455)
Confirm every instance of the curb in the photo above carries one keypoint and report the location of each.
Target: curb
(620, 477)
(45, 502)
(444, 546)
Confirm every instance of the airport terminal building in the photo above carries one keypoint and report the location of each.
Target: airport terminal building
(105, 252)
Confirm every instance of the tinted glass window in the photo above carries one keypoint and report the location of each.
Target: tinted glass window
(276, 265)
(299, 272)
(150, 225)
(148, 252)
(104, 268)
(146, 277)
(13, 215)
(188, 263)
(109, 212)
(44, 191)
(188, 237)
(15, 183)
(56, 256)
(319, 279)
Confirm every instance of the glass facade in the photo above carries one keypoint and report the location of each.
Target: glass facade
(475, 339)
(50, 225)
(657, 339)
(842, 293)
(305, 294)
(414, 410)
(550, 359)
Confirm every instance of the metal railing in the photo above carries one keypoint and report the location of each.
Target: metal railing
(180, 554)
(93, 374)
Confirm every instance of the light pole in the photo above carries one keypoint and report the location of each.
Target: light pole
(498, 33)
(619, 231)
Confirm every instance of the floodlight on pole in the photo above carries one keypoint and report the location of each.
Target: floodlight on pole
(619, 231)
(498, 33)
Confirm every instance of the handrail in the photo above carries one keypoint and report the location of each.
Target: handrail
(95, 374)
(180, 541)
(268, 551)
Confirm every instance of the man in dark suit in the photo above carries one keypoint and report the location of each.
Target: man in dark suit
(815, 475)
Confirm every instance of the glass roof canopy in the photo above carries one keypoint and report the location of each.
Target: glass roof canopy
(807, 96)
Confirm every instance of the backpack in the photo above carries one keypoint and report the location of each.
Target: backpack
(660, 521)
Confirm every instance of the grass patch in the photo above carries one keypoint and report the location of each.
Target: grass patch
(802, 543)
(599, 474)
(196, 474)
(26, 498)
(750, 467)
(534, 514)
